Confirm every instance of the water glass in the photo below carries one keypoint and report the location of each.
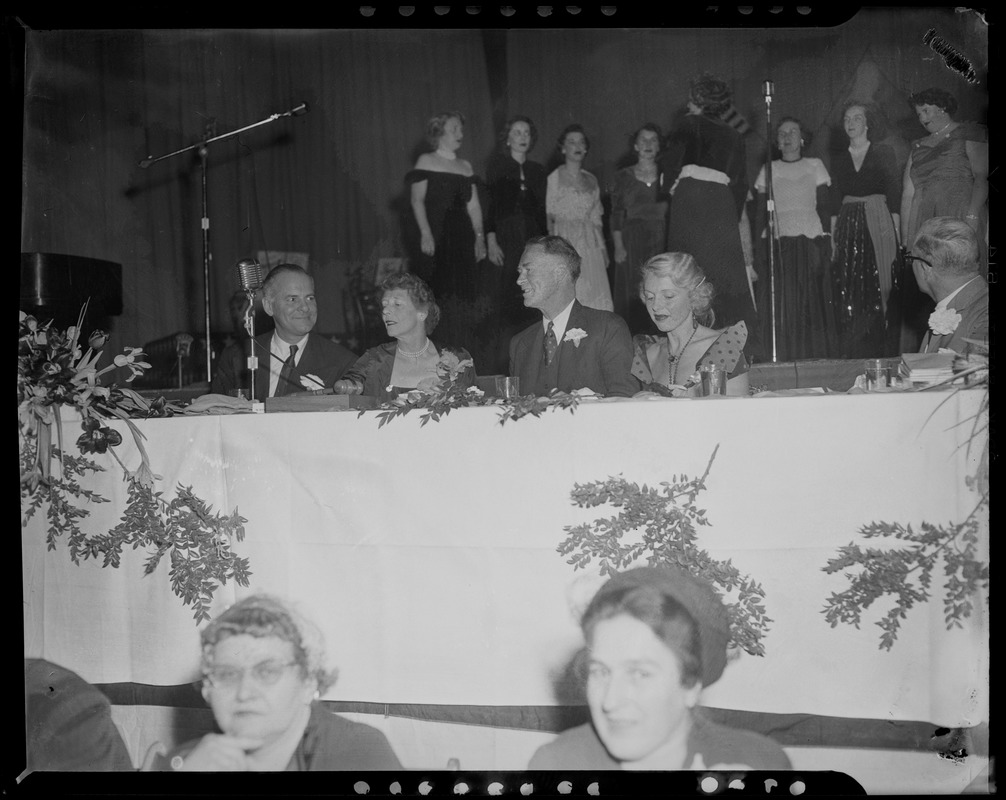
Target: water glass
(877, 372)
(507, 388)
(714, 379)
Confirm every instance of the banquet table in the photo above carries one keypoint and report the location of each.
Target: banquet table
(427, 553)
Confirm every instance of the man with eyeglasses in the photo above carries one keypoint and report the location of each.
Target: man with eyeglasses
(944, 259)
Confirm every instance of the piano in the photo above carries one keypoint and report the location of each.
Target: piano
(56, 286)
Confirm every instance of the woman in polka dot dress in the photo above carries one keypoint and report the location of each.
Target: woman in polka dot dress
(679, 301)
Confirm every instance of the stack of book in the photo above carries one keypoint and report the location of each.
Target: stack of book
(927, 368)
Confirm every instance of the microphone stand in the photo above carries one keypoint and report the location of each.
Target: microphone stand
(770, 215)
(203, 149)
(252, 362)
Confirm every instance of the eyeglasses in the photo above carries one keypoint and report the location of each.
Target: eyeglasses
(910, 257)
(267, 673)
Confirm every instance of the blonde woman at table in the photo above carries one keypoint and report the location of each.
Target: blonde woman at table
(655, 637)
(679, 299)
(413, 361)
(263, 671)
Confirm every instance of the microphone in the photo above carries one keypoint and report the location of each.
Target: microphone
(251, 274)
(766, 89)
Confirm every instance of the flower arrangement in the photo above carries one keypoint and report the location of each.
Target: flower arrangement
(55, 371)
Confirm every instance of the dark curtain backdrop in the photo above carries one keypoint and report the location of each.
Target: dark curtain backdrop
(330, 183)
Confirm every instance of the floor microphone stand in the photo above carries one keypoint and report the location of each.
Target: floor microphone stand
(203, 149)
(771, 219)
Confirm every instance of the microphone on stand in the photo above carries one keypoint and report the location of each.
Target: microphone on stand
(252, 276)
(766, 89)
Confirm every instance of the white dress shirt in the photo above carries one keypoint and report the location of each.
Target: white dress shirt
(280, 353)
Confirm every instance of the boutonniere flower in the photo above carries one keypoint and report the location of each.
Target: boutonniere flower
(574, 335)
(944, 321)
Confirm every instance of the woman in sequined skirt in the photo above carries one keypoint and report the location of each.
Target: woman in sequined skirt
(865, 182)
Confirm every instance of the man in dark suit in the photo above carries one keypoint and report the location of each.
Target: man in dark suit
(573, 347)
(945, 261)
(290, 358)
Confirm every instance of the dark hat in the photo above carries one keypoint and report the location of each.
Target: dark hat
(697, 597)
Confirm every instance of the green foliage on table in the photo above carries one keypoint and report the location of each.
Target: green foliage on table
(54, 370)
(903, 576)
(658, 527)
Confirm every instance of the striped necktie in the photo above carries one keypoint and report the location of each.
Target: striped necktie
(550, 343)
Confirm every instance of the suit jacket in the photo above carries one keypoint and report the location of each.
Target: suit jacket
(972, 303)
(322, 357)
(602, 361)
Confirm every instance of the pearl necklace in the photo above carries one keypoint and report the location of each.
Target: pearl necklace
(951, 122)
(672, 360)
(418, 353)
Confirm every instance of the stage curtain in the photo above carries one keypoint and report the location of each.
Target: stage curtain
(329, 183)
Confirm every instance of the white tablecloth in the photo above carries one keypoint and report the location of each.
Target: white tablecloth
(428, 554)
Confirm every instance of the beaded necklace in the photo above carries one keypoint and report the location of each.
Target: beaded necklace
(672, 360)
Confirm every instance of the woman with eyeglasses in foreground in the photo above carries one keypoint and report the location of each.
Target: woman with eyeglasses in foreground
(263, 672)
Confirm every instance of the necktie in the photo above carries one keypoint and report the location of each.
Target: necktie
(550, 343)
(287, 381)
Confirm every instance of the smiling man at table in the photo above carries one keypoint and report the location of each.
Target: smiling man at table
(573, 347)
(945, 262)
(291, 358)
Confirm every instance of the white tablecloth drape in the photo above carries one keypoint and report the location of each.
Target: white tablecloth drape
(427, 555)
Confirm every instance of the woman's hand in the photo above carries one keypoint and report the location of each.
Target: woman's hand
(219, 753)
(495, 251)
(347, 386)
(620, 254)
(426, 244)
(480, 248)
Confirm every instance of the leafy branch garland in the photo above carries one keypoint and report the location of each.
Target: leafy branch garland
(53, 372)
(904, 575)
(661, 527)
(437, 398)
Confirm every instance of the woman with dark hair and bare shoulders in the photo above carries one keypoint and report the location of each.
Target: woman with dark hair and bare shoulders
(638, 223)
(515, 212)
(448, 213)
(867, 193)
(946, 176)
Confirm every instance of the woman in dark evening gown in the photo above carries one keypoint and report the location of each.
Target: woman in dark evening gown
(704, 165)
(865, 183)
(638, 224)
(515, 212)
(447, 210)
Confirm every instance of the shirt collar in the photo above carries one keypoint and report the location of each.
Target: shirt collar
(945, 302)
(559, 321)
(282, 349)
